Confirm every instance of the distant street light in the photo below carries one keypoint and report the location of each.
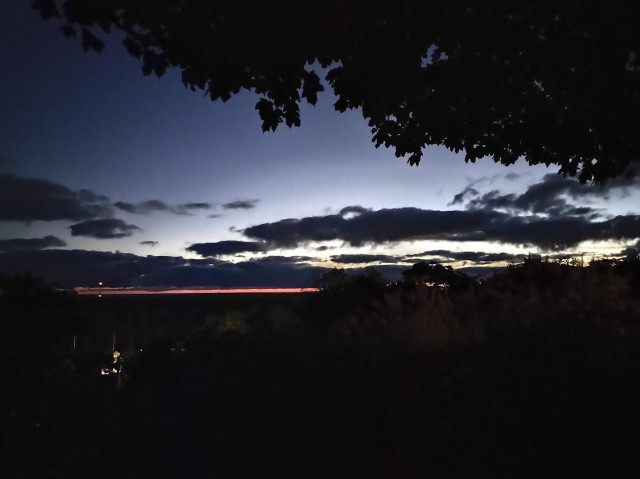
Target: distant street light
(100, 289)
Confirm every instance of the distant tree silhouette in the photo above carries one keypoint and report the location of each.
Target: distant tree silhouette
(424, 272)
(335, 278)
(25, 284)
(553, 82)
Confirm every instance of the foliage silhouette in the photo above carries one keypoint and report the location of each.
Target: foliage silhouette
(435, 273)
(555, 83)
(549, 387)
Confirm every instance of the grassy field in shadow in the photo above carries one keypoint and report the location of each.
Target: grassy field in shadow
(531, 373)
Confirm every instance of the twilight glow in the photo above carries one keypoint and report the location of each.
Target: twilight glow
(109, 175)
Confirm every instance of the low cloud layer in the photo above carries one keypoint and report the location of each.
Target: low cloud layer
(440, 256)
(544, 216)
(364, 258)
(31, 199)
(219, 248)
(472, 256)
(30, 244)
(386, 225)
(476, 224)
(71, 268)
(106, 228)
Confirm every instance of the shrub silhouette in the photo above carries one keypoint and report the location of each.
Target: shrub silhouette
(529, 373)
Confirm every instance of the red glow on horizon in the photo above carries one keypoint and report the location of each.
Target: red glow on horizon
(125, 291)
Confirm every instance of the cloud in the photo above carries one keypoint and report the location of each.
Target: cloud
(629, 179)
(546, 196)
(30, 244)
(195, 206)
(364, 258)
(563, 232)
(240, 205)
(551, 194)
(386, 225)
(473, 256)
(70, 268)
(214, 216)
(107, 228)
(491, 200)
(219, 248)
(147, 207)
(353, 210)
(270, 271)
(460, 197)
(410, 224)
(152, 206)
(149, 243)
(31, 199)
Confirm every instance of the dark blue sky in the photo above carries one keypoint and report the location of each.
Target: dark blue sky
(149, 149)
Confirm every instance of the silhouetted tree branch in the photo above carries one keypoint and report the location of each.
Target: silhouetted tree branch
(553, 82)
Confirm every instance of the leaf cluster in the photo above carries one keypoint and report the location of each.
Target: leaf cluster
(551, 82)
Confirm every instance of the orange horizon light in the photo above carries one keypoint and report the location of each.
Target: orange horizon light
(125, 291)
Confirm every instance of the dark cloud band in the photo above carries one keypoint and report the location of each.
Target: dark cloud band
(472, 256)
(108, 228)
(195, 206)
(31, 199)
(364, 258)
(408, 224)
(71, 268)
(30, 244)
(219, 248)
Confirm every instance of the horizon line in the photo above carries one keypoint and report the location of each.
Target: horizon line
(104, 291)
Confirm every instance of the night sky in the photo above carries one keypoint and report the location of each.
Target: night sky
(109, 175)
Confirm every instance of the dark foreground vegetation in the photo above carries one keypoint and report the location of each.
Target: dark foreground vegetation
(531, 373)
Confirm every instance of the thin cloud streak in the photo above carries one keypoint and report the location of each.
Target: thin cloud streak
(195, 206)
(240, 205)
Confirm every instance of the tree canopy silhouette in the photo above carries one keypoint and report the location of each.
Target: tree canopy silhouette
(553, 82)
(435, 273)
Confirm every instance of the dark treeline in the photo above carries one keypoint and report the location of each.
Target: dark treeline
(529, 373)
